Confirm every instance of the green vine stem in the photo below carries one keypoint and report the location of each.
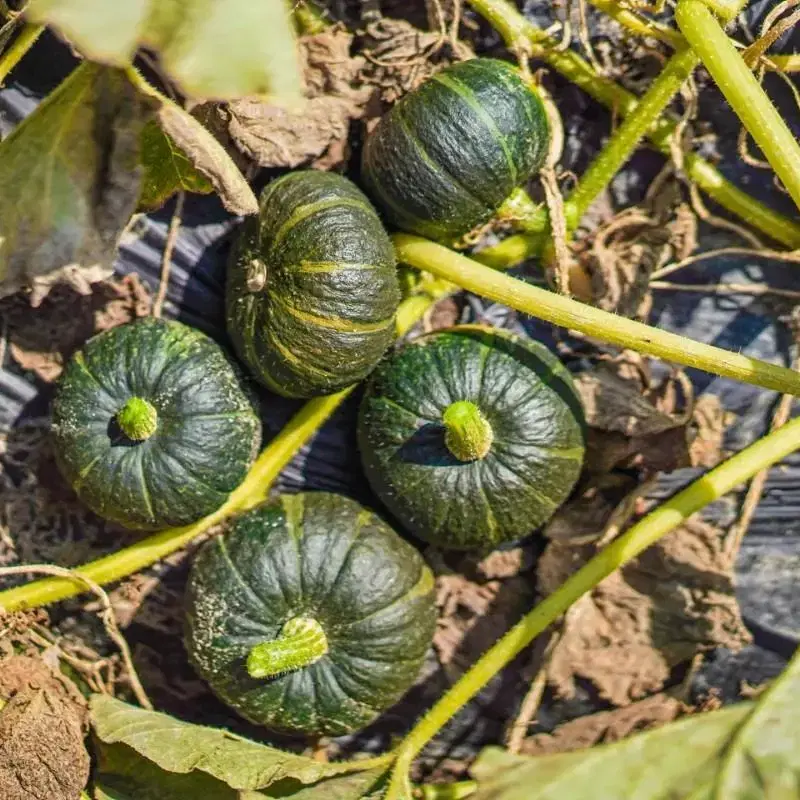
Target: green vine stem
(626, 138)
(638, 24)
(743, 91)
(521, 34)
(301, 643)
(560, 310)
(722, 479)
(25, 39)
(252, 491)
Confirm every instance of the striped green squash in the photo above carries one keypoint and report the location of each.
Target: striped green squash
(152, 426)
(309, 614)
(312, 286)
(471, 437)
(448, 154)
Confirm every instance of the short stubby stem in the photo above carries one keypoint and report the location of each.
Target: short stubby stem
(137, 419)
(468, 434)
(523, 213)
(301, 642)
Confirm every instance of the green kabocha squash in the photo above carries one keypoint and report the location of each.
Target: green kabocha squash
(471, 436)
(312, 286)
(151, 424)
(448, 154)
(309, 615)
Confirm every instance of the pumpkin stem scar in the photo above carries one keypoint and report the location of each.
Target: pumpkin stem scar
(300, 643)
(137, 419)
(468, 434)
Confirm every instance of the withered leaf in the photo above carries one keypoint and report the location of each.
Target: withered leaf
(675, 600)
(71, 178)
(316, 132)
(211, 48)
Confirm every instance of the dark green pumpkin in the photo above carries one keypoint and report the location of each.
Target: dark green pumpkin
(310, 556)
(447, 155)
(312, 286)
(521, 452)
(151, 424)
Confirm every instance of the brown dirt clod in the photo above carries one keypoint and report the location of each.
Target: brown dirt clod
(42, 723)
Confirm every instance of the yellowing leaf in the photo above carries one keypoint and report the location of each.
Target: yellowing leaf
(179, 747)
(70, 179)
(219, 49)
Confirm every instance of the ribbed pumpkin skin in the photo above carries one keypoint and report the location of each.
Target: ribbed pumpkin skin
(447, 155)
(318, 555)
(526, 395)
(325, 314)
(207, 436)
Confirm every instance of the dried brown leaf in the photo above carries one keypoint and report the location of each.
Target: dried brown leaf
(314, 133)
(42, 340)
(605, 727)
(676, 600)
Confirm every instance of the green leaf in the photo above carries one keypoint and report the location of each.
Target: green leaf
(763, 758)
(70, 179)
(180, 747)
(744, 752)
(356, 786)
(166, 170)
(667, 762)
(123, 774)
(219, 49)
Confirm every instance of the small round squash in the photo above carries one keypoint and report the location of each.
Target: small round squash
(151, 424)
(309, 614)
(471, 436)
(312, 286)
(446, 156)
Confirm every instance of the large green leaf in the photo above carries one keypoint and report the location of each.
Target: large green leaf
(123, 774)
(70, 179)
(182, 748)
(212, 48)
(745, 752)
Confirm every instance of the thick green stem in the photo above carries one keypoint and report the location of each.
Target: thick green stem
(624, 141)
(743, 91)
(301, 643)
(24, 41)
(559, 310)
(518, 31)
(468, 434)
(137, 419)
(252, 491)
(718, 482)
